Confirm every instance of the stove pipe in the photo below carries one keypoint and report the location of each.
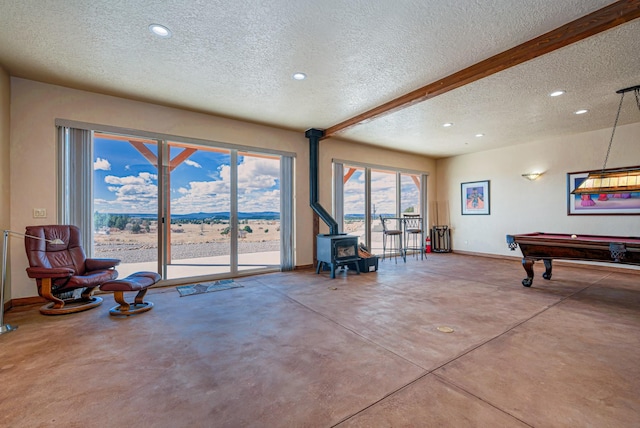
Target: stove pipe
(314, 136)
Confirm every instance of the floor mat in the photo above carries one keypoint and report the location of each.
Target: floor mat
(206, 287)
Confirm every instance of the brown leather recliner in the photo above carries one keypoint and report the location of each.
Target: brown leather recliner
(61, 268)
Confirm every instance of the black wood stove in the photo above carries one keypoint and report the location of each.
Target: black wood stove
(334, 249)
(337, 250)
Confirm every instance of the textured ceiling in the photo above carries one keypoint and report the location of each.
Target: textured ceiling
(236, 58)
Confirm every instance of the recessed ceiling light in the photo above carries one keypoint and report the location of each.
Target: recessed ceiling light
(160, 30)
(448, 124)
(479, 135)
(556, 93)
(583, 111)
(299, 76)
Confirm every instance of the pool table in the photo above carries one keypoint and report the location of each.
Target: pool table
(548, 246)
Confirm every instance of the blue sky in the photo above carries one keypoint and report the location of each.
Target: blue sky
(126, 182)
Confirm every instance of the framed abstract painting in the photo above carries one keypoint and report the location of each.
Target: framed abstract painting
(475, 198)
(599, 204)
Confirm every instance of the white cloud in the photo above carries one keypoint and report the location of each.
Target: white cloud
(258, 173)
(132, 193)
(383, 194)
(202, 196)
(101, 164)
(208, 188)
(257, 190)
(259, 201)
(213, 196)
(141, 179)
(193, 163)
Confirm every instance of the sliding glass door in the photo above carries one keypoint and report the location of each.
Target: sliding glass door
(183, 209)
(364, 193)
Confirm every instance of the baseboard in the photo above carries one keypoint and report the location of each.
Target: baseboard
(607, 267)
(303, 267)
(26, 301)
(487, 255)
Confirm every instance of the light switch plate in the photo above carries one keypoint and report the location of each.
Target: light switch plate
(39, 212)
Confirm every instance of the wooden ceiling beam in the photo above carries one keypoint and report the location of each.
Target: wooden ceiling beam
(601, 20)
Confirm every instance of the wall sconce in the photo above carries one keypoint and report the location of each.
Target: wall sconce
(532, 175)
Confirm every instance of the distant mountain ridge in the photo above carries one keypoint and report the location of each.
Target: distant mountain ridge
(224, 215)
(260, 215)
(361, 216)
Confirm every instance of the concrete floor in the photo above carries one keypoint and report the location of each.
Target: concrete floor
(299, 349)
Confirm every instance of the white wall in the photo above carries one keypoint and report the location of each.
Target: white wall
(35, 107)
(5, 93)
(522, 206)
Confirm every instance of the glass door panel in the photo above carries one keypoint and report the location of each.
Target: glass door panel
(354, 221)
(258, 211)
(383, 203)
(410, 207)
(199, 233)
(410, 194)
(125, 202)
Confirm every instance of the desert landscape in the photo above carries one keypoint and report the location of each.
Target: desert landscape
(188, 241)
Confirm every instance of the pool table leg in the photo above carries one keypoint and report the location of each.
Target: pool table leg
(547, 264)
(527, 264)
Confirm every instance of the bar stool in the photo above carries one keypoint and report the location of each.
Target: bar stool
(413, 234)
(395, 236)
